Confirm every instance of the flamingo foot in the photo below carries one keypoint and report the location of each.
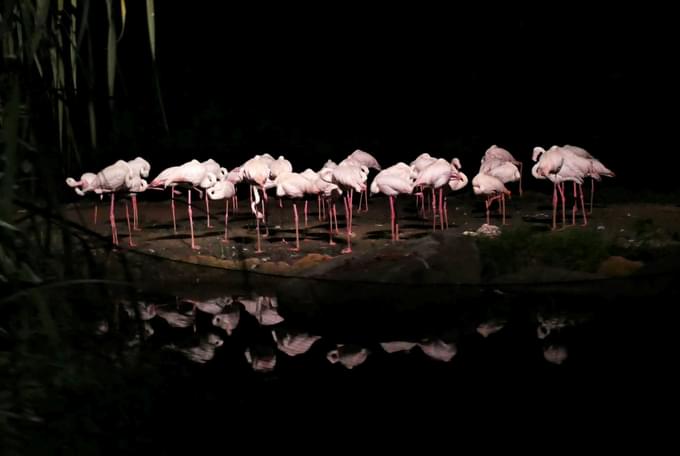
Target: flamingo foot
(346, 250)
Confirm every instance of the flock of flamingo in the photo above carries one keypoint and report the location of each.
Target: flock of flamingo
(558, 164)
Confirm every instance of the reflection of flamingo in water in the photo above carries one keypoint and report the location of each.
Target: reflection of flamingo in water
(347, 355)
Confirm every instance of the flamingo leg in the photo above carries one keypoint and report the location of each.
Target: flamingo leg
(226, 221)
(592, 193)
(172, 205)
(441, 208)
(503, 205)
(583, 206)
(392, 217)
(112, 219)
(348, 220)
(520, 178)
(554, 202)
(366, 199)
(297, 228)
(335, 216)
(306, 213)
(95, 212)
(330, 223)
(135, 213)
(191, 221)
(487, 203)
(446, 213)
(127, 217)
(207, 210)
(564, 210)
(434, 211)
(361, 199)
(574, 208)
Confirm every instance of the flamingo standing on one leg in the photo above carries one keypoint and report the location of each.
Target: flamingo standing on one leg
(83, 186)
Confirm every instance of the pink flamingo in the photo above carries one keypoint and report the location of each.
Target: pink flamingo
(435, 176)
(392, 181)
(193, 173)
(492, 188)
(497, 153)
(140, 169)
(348, 176)
(223, 190)
(256, 172)
(369, 161)
(293, 186)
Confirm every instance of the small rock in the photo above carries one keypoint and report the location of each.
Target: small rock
(489, 230)
(600, 227)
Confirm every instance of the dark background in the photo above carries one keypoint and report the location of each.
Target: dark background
(317, 83)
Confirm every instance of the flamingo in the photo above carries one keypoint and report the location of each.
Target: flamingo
(193, 173)
(256, 172)
(419, 164)
(112, 179)
(293, 186)
(223, 190)
(348, 176)
(369, 161)
(596, 171)
(83, 186)
(560, 165)
(435, 176)
(392, 181)
(327, 193)
(492, 188)
(220, 173)
(498, 153)
(140, 169)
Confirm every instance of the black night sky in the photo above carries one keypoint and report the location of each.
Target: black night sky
(318, 83)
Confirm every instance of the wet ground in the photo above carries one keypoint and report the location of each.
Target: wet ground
(626, 224)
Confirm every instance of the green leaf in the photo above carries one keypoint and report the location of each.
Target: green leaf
(151, 21)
